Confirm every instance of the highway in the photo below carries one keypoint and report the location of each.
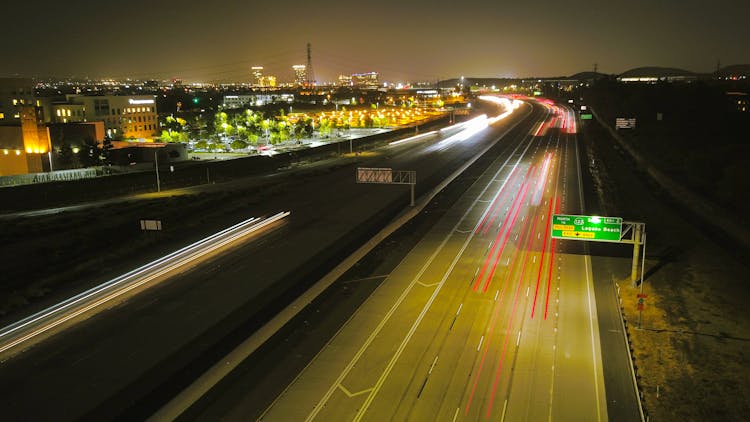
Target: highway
(27, 330)
(135, 353)
(486, 318)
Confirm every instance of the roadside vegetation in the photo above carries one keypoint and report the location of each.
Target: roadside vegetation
(248, 130)
(691, 350)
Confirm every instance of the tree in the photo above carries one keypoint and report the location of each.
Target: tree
(65, 157)
(90, 153)
(165, 136)
(220, 122)
(201, 145)
(239, 144)
(106, 152)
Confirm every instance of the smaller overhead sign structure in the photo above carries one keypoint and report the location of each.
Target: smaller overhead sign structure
(587, 227)
(388, 176)
(623, 123)
(374, 175)
(150, 225)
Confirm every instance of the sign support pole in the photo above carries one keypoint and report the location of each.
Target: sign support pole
(412, 193)
(643, 268)
(636, 250)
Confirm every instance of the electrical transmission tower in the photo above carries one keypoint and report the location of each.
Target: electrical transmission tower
(310, 82)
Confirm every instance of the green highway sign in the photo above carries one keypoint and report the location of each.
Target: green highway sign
(586, 227)
(587, 116)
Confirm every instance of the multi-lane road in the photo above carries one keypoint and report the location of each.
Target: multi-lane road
(486, 318)
(129, 358)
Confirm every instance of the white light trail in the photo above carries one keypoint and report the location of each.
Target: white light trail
(68, 309)
(414, 138)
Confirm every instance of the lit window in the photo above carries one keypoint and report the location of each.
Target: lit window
(58, 112)
(15, 101)
(5, 151)
(2, 116)
(68, 112)
(18, 152)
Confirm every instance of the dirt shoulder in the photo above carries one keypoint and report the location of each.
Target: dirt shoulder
(691, 352)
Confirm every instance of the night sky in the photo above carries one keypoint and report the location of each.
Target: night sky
(405, 40)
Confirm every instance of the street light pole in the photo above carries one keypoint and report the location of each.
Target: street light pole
(156, 166)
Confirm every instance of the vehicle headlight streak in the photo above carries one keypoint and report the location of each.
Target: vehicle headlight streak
(536, 199)
(92, 298)
(414, 138)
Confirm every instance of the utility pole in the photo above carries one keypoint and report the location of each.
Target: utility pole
(156, 166)
(310, 77)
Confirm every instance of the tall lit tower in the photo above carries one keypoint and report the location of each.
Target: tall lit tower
(258, 75)
(300, 74)
(310, 76)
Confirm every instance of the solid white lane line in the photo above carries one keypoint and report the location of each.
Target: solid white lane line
(432, 366)
(480, 343)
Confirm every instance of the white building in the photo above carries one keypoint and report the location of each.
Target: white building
(300, 74)
(240, 101)
(124, 116)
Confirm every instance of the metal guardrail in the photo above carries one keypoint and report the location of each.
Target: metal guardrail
(633, 370)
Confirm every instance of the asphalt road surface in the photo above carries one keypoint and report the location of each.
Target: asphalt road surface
(486, 318)
(129, 357)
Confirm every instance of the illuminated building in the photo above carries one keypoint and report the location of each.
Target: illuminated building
(67, 113)
(345, 80)
(15, 92)
(240, 101)
(268, 81)
(365, 80)
(124, 116)
(300, 74)
(258, 76)
(24, 147)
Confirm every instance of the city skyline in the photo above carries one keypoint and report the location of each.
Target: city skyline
(402, 41)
